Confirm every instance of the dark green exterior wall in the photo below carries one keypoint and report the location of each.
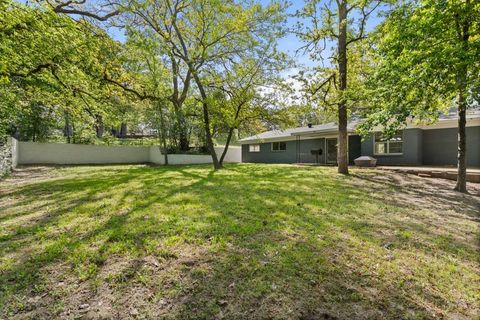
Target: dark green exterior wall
(354, 148)
(298, 151)
(266, 155)
(429, 147)
(412, 149)
(420, 147)
(440, 146)
(305, 148)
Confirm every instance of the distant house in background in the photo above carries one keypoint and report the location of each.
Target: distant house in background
(434, 144)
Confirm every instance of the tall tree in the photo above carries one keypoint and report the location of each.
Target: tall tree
(201, 33)
(180, 90)
(143, 74)
(344, 22)
(428, 60)
(241, 87)
(50, 59)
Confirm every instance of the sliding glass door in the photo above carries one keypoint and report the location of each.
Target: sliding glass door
(331, 150)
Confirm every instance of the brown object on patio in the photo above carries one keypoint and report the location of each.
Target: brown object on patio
(365, 161)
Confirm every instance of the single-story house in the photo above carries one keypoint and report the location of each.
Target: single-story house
(434, 144)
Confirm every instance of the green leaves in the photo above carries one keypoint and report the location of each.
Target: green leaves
(51, 60)
(421, 55)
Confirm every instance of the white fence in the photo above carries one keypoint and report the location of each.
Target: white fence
(60, 153)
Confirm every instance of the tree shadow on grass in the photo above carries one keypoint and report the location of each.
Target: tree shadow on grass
(26, 267)
(246, 242)
(347, 288)
(438, 191)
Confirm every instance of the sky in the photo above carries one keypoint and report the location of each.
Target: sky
(289, 44)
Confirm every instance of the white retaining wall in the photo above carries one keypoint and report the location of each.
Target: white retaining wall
(234, 155)
(61, 153)
(14, 143)
(158, 158)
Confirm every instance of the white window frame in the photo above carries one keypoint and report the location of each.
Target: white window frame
(256, 147)
(279, 150)
(387, 142)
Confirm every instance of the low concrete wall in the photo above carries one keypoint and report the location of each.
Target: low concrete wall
(234, 155)
(60, 153)
(14, 143)
(158, 158)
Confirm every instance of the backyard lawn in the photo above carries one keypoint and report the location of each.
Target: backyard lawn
(249, 242)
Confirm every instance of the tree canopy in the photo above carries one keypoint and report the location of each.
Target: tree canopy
(55, 63)
(427, 61)
(193, 73)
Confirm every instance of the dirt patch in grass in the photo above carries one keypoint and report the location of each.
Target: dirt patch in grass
(247, 242)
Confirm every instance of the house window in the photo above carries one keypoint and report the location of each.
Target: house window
(254, 148)
(392, 146)
(279, 146)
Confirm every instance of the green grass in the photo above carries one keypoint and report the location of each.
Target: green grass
(247, 242)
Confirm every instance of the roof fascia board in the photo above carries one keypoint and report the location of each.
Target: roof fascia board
(291, 138)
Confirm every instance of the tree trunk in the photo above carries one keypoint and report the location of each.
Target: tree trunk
(464, 37)
(123, 130)
(184, 144)
(462, 144)
(206, 122)
(227, 144)
(67, 129)
(183, 135)
(16, 133)
(73, 133)
(342, 155)
(230, 133)
(162, 135)
(178, 99)
(99, 127)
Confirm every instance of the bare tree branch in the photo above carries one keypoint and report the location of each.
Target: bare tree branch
(139, 95)
(69, 7)
(363, 22)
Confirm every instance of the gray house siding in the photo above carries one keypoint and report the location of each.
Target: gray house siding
(420, 147)
(440, 146)
(305, 148)
(412, 149)
(354, 148)
(298, 151)
(266, 155)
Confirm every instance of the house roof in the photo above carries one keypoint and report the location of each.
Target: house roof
(326, 128)
(448, 120)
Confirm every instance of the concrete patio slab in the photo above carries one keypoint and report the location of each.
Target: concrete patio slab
(473, 174)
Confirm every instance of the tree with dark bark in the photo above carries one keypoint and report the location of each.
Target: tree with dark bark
(50, 59)
(201, 33)
(241, 87)
(428, 61)
(144, 76)
(344, 22)
(180, 90)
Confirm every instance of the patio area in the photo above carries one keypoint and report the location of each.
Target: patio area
(473, 174)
